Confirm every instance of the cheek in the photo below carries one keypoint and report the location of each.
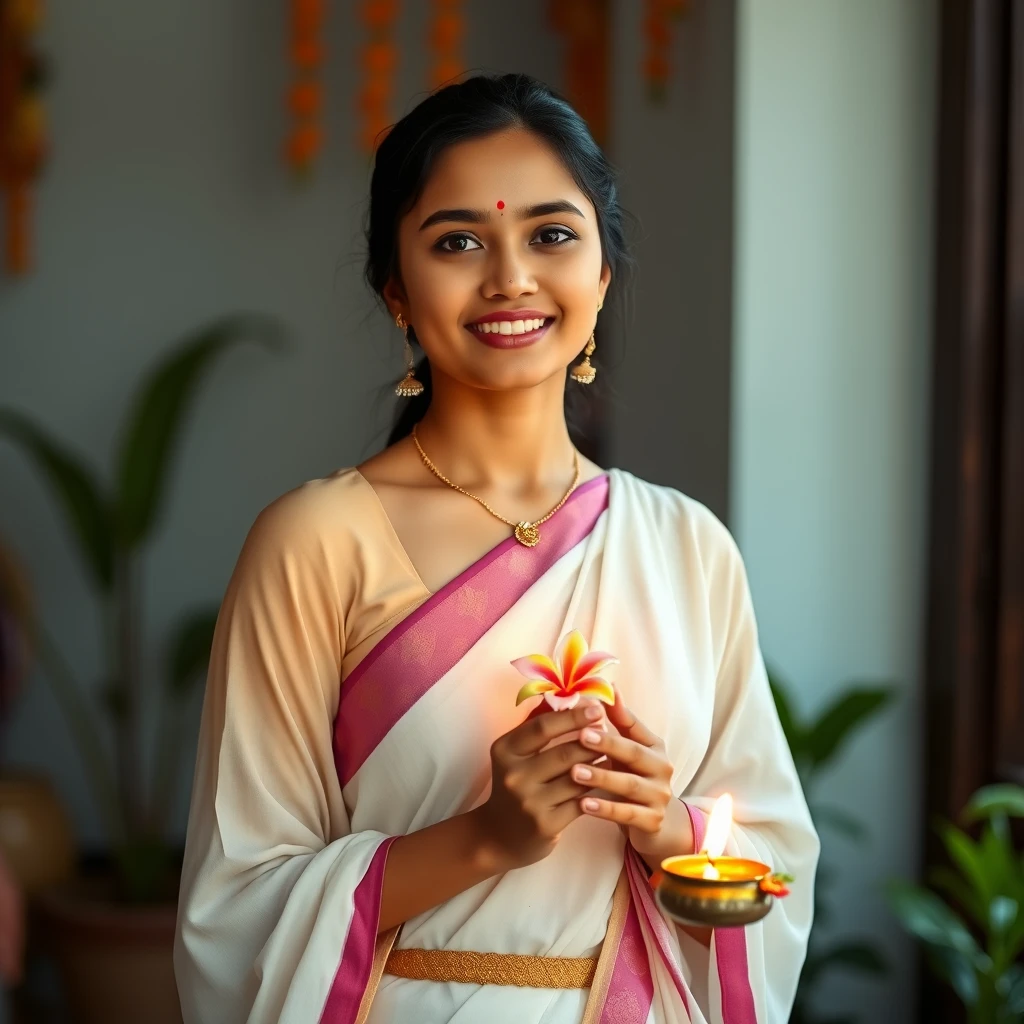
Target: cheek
(436, 289)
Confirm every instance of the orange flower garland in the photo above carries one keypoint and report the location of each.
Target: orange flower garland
(305, 95)
(446, 36)
(586, 26)
(379, 60)
(22, 124)
(658, 31)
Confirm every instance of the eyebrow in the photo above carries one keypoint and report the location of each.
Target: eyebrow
(466, 216)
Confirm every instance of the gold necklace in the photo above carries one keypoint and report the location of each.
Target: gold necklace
(526, 533)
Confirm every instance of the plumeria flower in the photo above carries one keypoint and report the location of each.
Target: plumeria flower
(570, 675)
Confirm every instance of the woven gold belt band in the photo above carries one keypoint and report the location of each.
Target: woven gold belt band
(491, 968)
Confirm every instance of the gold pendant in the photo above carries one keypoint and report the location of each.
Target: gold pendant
(527, 534)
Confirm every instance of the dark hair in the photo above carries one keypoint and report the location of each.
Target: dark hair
(477, 107)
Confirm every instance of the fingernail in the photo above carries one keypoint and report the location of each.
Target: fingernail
(592, 713)
(590, 805)
(591, 737)
(583, 773)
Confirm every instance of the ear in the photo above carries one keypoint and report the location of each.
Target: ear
(394, 297)
(605, 280)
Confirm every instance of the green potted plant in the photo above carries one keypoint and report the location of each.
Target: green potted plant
(113, 933)
(975, 937)
(815, 745)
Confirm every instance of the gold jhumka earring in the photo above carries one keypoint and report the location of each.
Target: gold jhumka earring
(408, 386)
(584, 373)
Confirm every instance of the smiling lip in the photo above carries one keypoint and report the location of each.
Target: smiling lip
(510, 314)
(494, 339)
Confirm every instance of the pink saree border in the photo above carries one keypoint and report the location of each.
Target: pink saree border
(631, 989)
(342, 1006)
(643, 899)
(730, 952)
(425, 645)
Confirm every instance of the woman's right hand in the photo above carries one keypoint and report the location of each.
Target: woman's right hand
(533, 797)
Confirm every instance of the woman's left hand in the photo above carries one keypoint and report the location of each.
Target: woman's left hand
(639, 777)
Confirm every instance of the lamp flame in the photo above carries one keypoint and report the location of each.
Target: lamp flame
(719, 826)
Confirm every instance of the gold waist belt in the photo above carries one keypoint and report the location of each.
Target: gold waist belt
(491, 968)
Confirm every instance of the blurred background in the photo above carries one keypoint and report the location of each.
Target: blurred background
(825, 344)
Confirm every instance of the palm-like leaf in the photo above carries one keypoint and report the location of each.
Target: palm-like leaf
(189, 652)
(838, 722)
(923, 914)
(1000, 799)
(76, 490)
(789, 724)
(157, 418)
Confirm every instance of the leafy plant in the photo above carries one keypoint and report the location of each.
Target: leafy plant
(111, 528)
(986, 889)
(815, 746)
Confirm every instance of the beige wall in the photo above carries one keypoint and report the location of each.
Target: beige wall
(832, 300)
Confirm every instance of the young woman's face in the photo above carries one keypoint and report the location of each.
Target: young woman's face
(501, 228)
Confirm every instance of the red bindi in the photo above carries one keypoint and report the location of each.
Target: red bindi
(501, 205)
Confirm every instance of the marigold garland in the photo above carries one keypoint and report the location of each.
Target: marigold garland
(446, 35)
(657, 67)
(22, 124)
(305, 94)
(379, 60)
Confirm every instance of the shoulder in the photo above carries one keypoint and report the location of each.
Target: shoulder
(316, 510)
(318, 527)
(678, 519)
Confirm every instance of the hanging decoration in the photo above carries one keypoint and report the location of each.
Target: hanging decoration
(379, 60)
(22, 125)
(586, 27)
(657, 68)
(305, 93)
(446, 35)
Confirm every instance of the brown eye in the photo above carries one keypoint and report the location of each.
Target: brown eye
(457, 243)
(554, 236)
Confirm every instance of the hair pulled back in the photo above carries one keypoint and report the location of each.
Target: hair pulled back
(477, 107)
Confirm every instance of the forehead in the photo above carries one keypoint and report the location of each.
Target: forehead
(512, 166)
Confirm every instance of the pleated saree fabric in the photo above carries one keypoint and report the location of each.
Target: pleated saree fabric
(347, 705)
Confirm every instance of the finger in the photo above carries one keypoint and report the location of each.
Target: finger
(557, 761)
(635, 757)
(562, 816)
(562, 789)
(628, 724)
(536, 733)
(645, 819)
(634, 789)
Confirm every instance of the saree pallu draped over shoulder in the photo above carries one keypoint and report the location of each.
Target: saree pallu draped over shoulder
(307, 770)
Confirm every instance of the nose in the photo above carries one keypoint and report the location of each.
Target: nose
(509, 275)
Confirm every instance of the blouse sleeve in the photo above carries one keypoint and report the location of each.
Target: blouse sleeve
(753, 971)
(279, 900)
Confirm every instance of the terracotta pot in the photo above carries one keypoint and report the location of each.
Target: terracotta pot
(35, 832)
(115, 960)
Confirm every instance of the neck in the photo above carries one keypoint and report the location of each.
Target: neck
(514, 441)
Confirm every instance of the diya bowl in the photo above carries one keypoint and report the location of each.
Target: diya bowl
(732, 900)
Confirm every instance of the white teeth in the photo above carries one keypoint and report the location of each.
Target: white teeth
(508, 326)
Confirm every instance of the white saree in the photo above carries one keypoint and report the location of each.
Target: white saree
(305, 772)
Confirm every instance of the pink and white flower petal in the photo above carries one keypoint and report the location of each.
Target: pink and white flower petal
(538, 666)
(593, 663)
(571, 648)
(559, 702)
(534, 689)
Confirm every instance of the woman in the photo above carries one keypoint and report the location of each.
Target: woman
(367, 791)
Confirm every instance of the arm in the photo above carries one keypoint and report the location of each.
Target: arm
(532, 800)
